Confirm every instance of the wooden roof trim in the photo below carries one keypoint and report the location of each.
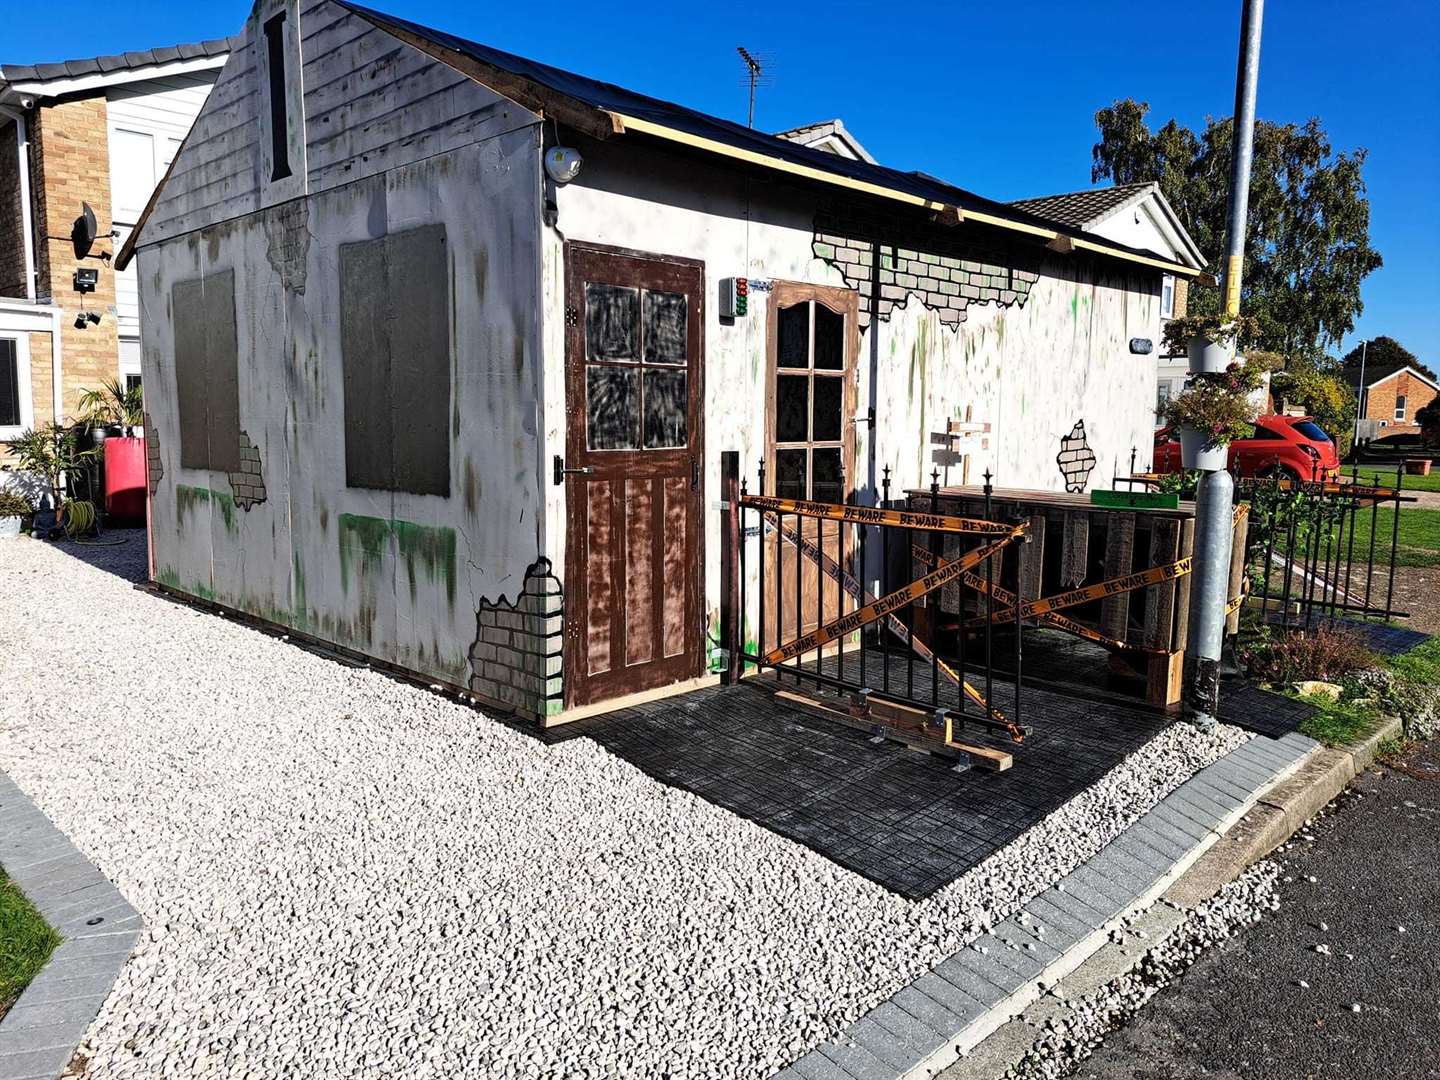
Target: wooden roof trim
(625, 123)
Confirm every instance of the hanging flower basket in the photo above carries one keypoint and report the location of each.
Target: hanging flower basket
(1198, 450)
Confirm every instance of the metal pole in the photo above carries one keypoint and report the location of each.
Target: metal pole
(1359, 403)
(1215, 492)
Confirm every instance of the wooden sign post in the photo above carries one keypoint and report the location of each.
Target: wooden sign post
(957, 442)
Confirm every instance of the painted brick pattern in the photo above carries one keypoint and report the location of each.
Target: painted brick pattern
(154, 467)
(69, 144)
(516, 658)
(948, 281)
(247, 485)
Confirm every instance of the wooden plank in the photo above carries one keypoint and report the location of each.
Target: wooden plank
(983, 757)
(1160, 599)
(1075, 554)
(1119, 560)
(638, 626)
(1163, 679)
(1238, 537)
(1032, 559)
(1182, 595)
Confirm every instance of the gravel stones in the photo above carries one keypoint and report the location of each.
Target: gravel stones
(346, 875)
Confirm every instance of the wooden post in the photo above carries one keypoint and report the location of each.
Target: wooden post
(731, 617)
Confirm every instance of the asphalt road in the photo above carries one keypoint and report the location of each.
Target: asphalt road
(1240, 1014)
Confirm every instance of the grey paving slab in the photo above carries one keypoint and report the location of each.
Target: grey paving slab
(1176, 827)
(963, 1005)
(30, 1062)
(1220, 787)
(99, 927)
(896, 1053)
(928, 1011)
(1184, 815)
(910, 1030)
(1085, 900)
(1201, 806)
(1064, 921)
(856, 1061)
(1021, 964)
(816, 1066)
(1150, 851)
(1106, 877)
(972, 975)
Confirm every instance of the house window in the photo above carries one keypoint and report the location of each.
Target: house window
(279, 119)
(1167, 296)
(395, 347)
(636, 368)
(14, 386)
(207, 372)
(808, 416)
(1400, 408)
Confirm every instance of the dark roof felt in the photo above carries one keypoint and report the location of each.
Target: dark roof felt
(105, 65)
(1078, 208)
(612, 98)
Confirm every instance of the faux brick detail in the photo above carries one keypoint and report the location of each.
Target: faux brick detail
(516, 658)
(247, 485)
(154, 467)
(947, 278)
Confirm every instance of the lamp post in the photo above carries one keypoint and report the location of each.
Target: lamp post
(1214, 495)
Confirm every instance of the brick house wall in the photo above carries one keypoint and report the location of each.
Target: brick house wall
(70, 152)
(1380, 401)
(12, 229)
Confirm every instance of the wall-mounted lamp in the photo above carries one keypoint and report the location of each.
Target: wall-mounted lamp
(562, 164)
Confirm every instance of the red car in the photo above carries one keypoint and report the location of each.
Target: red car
(1294, 446)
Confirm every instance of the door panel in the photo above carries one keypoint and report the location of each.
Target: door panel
(812, 342)
(634, 445)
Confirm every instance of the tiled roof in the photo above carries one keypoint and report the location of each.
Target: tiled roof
(106, 65)
(1080, 209)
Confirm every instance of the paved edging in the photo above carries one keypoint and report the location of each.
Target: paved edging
(1276, 816)
(39, 1034)
(947, 1011)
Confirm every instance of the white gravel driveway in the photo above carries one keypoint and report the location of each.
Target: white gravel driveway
(344, 875)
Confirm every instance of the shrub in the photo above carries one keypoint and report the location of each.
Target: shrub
(13, 504)
(1325, 653)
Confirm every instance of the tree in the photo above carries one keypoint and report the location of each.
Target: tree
(1384, 352)
(1307, 247)
(1322, 392)
(1428, 417)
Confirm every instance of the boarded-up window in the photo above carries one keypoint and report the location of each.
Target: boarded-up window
(207, 374)
(395, 337)
(9, 384)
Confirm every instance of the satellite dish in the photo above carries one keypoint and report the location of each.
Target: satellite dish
(82, 233)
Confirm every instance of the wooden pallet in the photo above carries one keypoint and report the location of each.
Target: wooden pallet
(1073, 544)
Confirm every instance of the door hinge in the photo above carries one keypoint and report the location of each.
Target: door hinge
(572, 317)
(561, 471)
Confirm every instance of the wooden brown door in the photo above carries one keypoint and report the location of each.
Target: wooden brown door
(635, 452)
(812, 338)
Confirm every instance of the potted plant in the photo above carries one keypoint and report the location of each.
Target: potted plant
(14, 509)
(50, 453)
(112, 414)
(1209, 340)
(1214, 409)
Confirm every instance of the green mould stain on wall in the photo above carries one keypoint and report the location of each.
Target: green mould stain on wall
(364, 542)
(188, 498)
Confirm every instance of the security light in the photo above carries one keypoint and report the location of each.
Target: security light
(562, 164)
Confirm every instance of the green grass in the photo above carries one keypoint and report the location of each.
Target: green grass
(26, 942)
(1380, 476)
(1418, 542)
(1337, 723)
(1421, 664)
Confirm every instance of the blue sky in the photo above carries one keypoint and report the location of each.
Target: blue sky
(997, 98)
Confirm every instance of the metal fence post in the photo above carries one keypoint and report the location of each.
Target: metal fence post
(730, 613)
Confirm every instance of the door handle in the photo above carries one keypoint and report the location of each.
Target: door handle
(694, 474)
(561, 471)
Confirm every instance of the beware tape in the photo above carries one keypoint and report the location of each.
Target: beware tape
(1056, 621)
(878, 609)
(872, 515)
(1113, 587)
(841, 576)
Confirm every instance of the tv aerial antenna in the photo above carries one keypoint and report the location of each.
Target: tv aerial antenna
(757, 73)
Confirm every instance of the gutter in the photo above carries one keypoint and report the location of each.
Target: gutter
(625, 123)
(22, 144)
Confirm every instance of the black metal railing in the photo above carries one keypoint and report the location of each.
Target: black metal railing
(848, 600)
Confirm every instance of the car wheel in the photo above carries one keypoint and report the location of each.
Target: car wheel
(1281, 472)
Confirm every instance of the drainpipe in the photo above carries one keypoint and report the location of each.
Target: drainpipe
(22, 145)
(1214, 494)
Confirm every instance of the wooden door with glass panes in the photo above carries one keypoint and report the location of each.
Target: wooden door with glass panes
(812, 340)
(634, 454)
